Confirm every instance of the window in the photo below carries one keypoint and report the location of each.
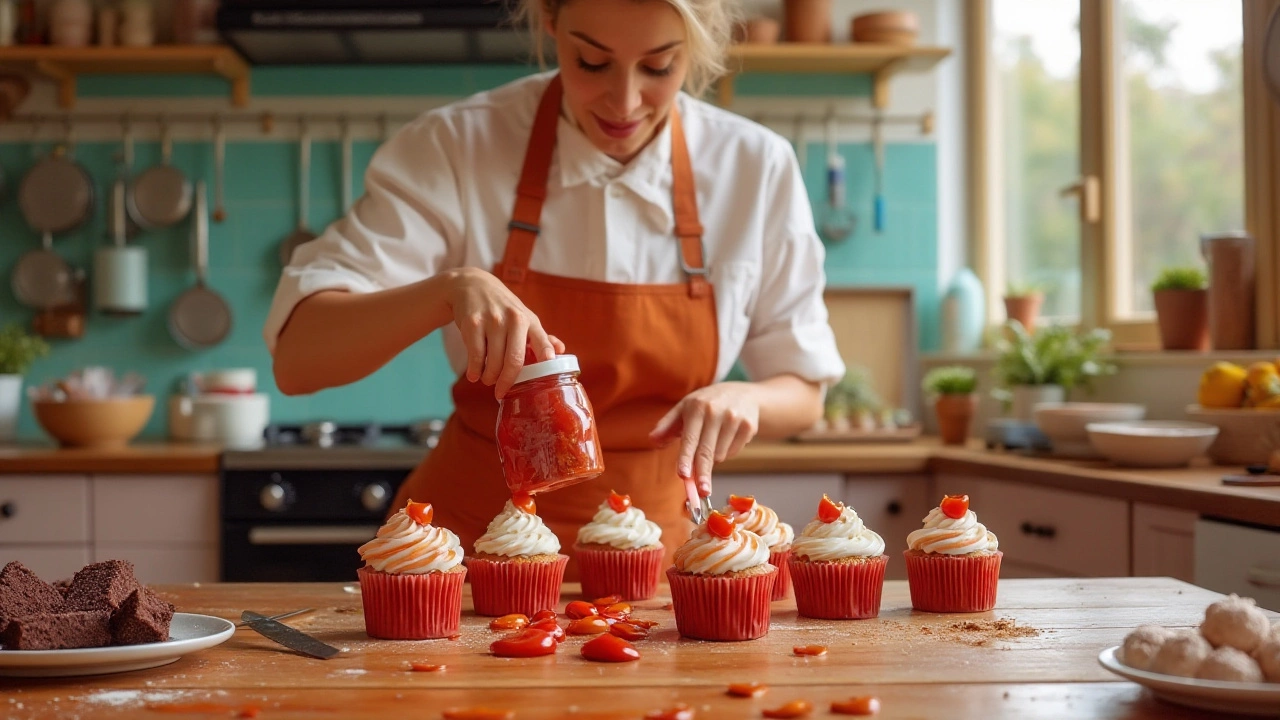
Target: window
(1114, 140)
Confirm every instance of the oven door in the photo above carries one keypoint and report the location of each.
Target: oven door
(275, 552)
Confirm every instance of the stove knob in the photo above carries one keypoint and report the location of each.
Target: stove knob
(273, 497)
(375, 497)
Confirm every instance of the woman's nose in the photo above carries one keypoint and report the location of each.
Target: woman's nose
(624, 99)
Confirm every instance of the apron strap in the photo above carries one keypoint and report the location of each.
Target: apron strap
(684, 202)
(524, 227)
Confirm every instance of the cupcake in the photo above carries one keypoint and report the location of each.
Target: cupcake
(837, 565)
(953, 562)
(764, 522)
(411, 582)
(722, 582)
(619, 552)
(517, 566)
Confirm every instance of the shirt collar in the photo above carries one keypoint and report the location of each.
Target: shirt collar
(580, 162)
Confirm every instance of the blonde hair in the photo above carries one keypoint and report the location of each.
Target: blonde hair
(708, 29)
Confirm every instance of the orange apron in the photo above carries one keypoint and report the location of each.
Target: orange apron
(641, 348)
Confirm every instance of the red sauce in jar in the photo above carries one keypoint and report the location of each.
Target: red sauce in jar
(546, 431)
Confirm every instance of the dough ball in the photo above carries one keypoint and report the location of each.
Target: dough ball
(1181, 654)
(1230, 664)
(1141, 645)
(1268, 657)
(1235, 622)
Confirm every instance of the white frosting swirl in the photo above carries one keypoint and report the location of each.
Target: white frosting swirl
(515, 532)
(844, 537)
(626, 530)
(764, 522)
(706, 554)
(951, 536)
(406, 547)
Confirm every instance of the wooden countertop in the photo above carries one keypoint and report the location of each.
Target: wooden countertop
(137, 458)
(918, 664)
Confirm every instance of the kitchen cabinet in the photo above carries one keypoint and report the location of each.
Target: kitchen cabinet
(44, 522)
(1164, 542)
(1238, 558)
(892, 506)
(1048, 532)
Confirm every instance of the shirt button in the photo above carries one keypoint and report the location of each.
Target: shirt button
(615, 190)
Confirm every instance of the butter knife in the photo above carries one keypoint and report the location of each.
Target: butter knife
(287, 636)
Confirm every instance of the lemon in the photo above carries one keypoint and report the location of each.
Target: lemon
(1222, 386)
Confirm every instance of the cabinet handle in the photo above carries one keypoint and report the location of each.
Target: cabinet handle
(1263, 577)
(894, 508)
(1044, 531)
(8, 510)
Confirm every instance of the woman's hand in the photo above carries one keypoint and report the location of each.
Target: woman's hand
(713, 423)
(496, 329)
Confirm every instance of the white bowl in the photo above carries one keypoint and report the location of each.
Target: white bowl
(1152, 443)
(1064, 423)
(1247, 436)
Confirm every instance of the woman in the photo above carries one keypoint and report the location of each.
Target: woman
(596, 210)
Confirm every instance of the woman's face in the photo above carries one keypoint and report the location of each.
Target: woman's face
(622, 63)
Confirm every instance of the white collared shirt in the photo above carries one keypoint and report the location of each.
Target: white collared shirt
(439, 194)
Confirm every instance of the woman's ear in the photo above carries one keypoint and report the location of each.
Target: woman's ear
(549, 17)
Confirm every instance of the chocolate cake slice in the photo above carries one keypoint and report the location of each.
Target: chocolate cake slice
(143, 618)
(22, 593)
(57, 631)
(102, 586)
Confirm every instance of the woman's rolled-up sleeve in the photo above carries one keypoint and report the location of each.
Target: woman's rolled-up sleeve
(406, 227)
(789, 330)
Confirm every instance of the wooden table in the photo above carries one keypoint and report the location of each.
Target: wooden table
(920, 665)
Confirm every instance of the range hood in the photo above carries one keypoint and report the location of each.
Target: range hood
(353, 32)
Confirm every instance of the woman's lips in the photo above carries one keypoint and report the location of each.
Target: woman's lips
(617, 130)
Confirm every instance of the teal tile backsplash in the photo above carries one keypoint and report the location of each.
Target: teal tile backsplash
(261, 209)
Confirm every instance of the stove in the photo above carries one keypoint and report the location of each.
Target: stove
(296, 508)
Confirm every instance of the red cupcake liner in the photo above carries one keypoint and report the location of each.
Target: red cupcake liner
(411, 607)
(782, 583)
(633, 574)
(708, 607)
(838, 591)
(947, 583)
(503, 587)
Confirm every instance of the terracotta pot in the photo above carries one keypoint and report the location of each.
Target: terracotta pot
(954, 415)
(758, 31)
(1024, 309)
(807, 21)
(1183, 316)
(893, 28)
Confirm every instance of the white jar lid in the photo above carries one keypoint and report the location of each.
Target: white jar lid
(554, 366)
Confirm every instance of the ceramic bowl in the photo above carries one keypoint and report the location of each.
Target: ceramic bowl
(105, 423)
(1152, 443)
(1247, 436)
(1064, 423)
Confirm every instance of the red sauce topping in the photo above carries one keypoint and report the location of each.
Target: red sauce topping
(679, 712)
(646, 624)
(610, 648)
(862, 705)
(793, 709)
(719, 525)
(617, 611)
(619, 503)
(530, 642)
(544, 615)
(425, 667)
(420, 512)
(751, 689)
(828, 511)
(508, 622)
(580, 609)
(551, 626)
(605, 602)
(954, 506)
(455, 637)
(629, 631)
(477, 713)
(588, 626)
(524, 501)
(810, 650)
(742, 503)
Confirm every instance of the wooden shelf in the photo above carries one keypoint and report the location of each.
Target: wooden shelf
(878, 60)
(64, 65)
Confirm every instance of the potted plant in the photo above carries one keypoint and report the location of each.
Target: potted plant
(1044, 366)
(1182, 308)
(1022, 303)
(955, 400)
(18, 350)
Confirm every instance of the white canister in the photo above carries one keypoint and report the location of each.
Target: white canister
(71, 23)
(120, 279)
(228, 380)
(10, 404)
(233, 421)
(1026, 397)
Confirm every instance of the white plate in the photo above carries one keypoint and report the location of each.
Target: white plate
(187, 633)
(1231, 697)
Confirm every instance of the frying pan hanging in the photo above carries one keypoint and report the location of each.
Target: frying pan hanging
(200, 318)
(42, 279)
(56, 194)
(160, 196)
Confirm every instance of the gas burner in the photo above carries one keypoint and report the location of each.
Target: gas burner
(323, 434)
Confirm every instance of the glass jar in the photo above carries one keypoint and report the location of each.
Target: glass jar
(546, 431)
